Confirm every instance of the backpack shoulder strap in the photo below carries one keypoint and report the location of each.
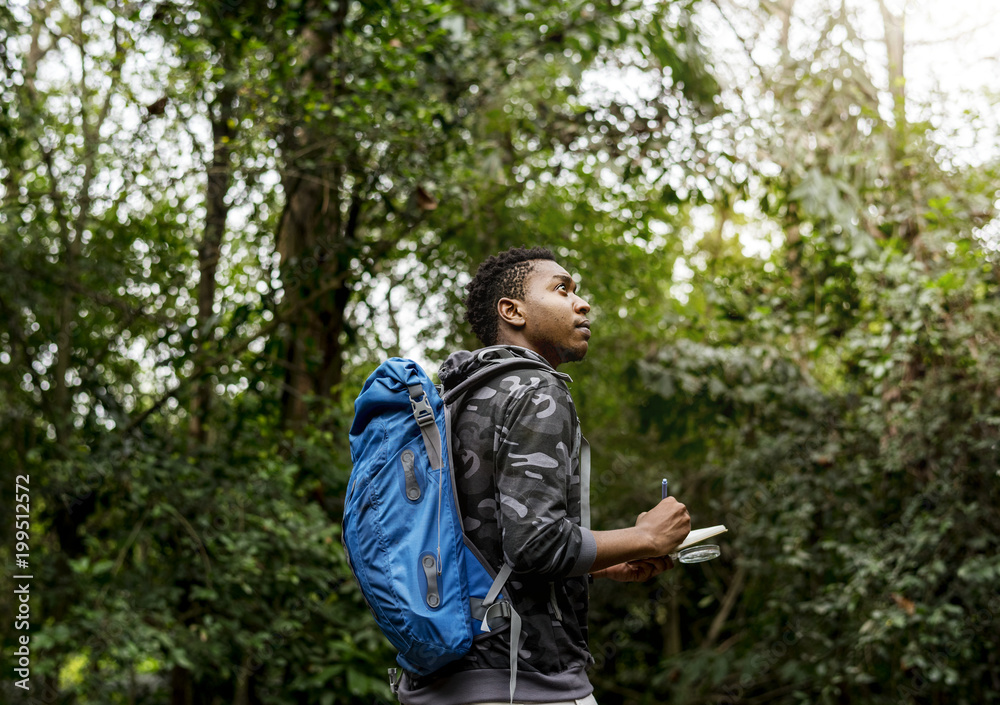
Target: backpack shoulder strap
(423, 413)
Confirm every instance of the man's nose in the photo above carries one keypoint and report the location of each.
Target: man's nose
(581, 305)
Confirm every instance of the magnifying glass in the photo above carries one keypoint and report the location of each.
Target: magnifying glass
(698, 554)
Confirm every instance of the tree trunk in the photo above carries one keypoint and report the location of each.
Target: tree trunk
(785, 8)
(315, 262)
(894, 34)
(314, 239)
(244, 682)
(217, 210)
(61, 407)
(180, 687)
(672, 627)
(912, 225)
(185, 688)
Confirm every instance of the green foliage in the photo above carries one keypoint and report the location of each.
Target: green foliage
(862, 516)
(220, 563)
(833, 400)
(834, 405)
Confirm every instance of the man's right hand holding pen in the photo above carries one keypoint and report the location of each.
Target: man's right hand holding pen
(642, 551)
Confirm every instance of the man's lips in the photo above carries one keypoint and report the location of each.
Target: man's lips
(585, 325)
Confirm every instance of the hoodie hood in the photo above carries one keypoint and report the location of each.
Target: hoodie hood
(462, 364)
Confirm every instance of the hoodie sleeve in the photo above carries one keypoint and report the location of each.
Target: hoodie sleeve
(538, 479)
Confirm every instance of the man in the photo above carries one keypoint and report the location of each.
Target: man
(517, 447)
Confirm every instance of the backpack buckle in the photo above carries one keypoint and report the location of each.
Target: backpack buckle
(422, 410)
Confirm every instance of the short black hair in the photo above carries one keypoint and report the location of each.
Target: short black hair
(498, 277)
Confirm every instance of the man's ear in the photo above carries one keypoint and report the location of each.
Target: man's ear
(511, 312)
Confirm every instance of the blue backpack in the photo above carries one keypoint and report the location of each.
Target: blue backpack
(430, 590)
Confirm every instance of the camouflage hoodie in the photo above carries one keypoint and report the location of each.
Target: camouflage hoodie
(516, 450)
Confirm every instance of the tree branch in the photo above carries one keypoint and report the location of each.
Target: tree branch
(206, 365)
(728, 602)
(747, 47)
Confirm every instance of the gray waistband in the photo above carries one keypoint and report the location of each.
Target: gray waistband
(488, 685)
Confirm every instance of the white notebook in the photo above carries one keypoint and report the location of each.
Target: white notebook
(699, 535)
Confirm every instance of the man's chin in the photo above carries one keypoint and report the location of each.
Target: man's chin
(575, 354)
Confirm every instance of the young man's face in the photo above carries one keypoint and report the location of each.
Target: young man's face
(555, 317)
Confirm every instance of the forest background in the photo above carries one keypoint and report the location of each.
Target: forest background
(217, 217)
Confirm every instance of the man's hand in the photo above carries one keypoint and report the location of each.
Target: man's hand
(657, 532)
(636, 571)
(666, 526)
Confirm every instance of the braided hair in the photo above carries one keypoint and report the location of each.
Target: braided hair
(498, 277)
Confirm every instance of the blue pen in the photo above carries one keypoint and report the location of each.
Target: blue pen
(663, 490)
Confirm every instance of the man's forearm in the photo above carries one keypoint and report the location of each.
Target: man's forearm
(620, 546)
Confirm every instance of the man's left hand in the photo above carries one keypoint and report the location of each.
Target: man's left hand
(636, 571)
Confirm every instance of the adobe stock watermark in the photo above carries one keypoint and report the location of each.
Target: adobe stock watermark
(22, 581)
(114, 630)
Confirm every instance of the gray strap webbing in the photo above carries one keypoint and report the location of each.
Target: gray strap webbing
(395, 675)
(584, 483)
(515, 642)
(478, 610)
(515, 620)
(424, 415)
(497, 586)
(515, 639)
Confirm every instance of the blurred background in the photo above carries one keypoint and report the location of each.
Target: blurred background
(216, 218)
